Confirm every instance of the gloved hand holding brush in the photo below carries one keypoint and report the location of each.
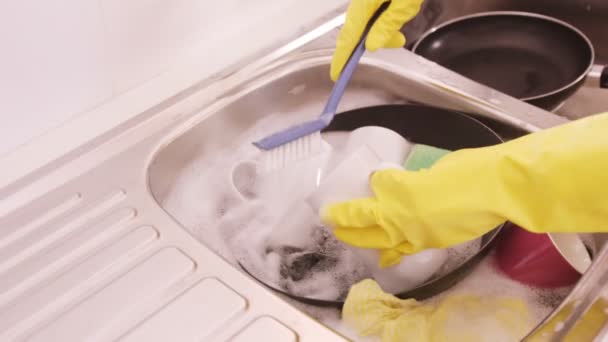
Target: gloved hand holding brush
(383, 34)
(549, 181)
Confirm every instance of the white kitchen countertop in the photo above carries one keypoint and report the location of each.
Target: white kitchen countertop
(50, 118)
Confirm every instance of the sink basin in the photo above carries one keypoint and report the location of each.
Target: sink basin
(298, 92)
(294, 89)
(189, 175)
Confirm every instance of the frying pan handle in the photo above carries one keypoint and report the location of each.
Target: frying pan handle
(598, 75)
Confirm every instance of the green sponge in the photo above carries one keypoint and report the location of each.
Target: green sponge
(423, 156)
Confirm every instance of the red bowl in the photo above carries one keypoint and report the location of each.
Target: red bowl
(533, 259)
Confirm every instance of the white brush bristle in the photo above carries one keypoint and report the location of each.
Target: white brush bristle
(296, 150)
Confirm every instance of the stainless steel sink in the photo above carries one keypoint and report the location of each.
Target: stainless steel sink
(294, 87)
(88, 242)
(589, 16)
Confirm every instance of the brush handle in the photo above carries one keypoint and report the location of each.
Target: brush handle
(349, 69)
(340, 86)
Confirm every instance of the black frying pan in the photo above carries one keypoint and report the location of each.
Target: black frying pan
(426, 125)
(536, 58)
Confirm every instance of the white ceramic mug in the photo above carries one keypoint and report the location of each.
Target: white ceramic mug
(282, 191)
(367, 149)
(252, 180)
(349, 179)
(412, 271)
(578, 249)
(388, 145)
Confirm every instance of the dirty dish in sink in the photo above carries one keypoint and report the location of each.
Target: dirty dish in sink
(301, 272)
(349, 180)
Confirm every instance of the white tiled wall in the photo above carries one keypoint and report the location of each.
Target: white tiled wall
(59, 58)
(53, 64)
(148, 35)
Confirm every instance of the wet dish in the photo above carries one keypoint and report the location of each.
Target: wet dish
(326, 260)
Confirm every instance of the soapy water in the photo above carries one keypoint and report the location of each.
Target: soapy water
(320, 268)
(238, 224)
(203, 200)
(316, 265)
(485, 281)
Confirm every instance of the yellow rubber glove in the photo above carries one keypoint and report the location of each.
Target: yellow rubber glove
(371, 312)
(550, 181)
(383, 34)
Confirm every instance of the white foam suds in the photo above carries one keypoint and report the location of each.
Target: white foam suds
(204, 201)
(487, 281)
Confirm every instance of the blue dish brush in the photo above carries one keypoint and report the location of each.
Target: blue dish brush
(308, 135)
